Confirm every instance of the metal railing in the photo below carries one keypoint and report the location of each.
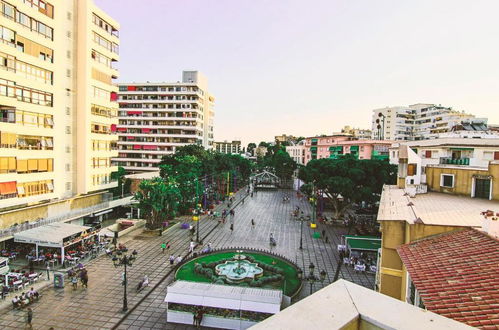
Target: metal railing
(454, 161)
(63, 217)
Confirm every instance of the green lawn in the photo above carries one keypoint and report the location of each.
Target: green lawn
(289, 286)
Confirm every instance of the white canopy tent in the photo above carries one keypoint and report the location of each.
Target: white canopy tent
(224, 296)
(51, 235)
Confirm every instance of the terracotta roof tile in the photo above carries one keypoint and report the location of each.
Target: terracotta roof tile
(456, 275)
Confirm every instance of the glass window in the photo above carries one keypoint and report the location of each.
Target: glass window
(8, 11)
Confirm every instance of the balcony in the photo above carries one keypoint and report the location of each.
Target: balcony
(454, 161)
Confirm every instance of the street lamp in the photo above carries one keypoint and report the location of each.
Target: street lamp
(311, 278)
(302, 219)
(122, 259)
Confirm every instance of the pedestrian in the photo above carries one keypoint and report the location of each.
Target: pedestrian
(191, 246)
(252, 223)
(29, 318)
(168, 245)
(163, 247)
(251, 194)
(323, 233)
(84, 278)
(179, 259)
(172, 259)
(327, 239)
(231, 227)
(74, 281)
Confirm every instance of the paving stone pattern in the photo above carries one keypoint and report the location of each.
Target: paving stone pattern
(100, 305)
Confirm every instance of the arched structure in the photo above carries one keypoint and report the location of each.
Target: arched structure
(266, 180)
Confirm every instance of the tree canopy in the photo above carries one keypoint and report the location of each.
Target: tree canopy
(347, 180)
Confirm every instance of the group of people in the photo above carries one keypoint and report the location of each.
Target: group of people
(82, 276)
(25, 299)
(174, 259)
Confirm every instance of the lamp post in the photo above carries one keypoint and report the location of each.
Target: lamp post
(302, 219)
(311, 278)
(121, 258)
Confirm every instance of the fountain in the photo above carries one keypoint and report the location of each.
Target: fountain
(239, 269)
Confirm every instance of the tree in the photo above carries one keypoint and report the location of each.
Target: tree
(347, 180)
(251, 147)
(123, 183)
(158, 201)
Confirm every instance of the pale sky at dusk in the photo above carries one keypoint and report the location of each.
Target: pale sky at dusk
(310, 67)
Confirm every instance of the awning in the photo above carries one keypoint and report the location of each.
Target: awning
(121, 129)
(7, 188)
(363, 243)
(224, 296)
(354, 148)
(130, 137)
(113, 127)
(102, 212)
(137, 147)
(146, 147)
(51, 235)
(462, 149)
(146, 130)
(134, 112)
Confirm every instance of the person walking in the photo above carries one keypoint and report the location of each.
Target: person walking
(252, 223)
(191, 246)
(163, 247)
(179, 259)
(326, 239)
(74, 281)
(29, 319)
(231, 227)
(172, 259)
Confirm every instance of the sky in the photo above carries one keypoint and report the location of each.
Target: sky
(312, 66)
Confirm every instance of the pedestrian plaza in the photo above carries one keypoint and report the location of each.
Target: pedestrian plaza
(100, 305)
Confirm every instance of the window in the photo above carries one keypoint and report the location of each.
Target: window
(412, 169)
(68, 130)
(447, 180)
(427, 154)
(7, 36)
(496, 155)
(68, 185)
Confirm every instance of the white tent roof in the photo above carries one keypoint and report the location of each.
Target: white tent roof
(49, 235)
(224, 296)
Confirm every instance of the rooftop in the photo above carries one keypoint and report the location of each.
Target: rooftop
(450, 142)
(432, 208)
(344, 305)
(456, 275)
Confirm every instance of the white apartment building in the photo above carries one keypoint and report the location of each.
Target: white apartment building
(449, 153)
(156, 118)
(56, 100)
(297, 152)
(415, 122)
(226, 147)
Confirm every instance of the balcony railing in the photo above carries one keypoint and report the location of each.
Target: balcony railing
(116, 201)
(454, 161)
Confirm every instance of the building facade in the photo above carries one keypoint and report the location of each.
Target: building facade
(297, 152)
(156, 118)
(468, 167)
(415, 122)
(226, 147)
(334, 146)
(56, 100)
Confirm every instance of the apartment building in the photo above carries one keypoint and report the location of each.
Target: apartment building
(297, 152)
(468, 167)
(56, 100)
(156, 118)
(443, 186)
(358, 133)
(226, 147)
(416, 122)
(336, 145)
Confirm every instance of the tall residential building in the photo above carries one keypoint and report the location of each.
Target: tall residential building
(226, 147)
(415, 122)
(56, 100)
(156, 118)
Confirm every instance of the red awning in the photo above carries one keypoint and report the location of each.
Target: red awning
(121, 129)
(134, 112)
(130, 137)
(7, 188)
(137, 147)
(150, 147)
(146, 130)
(131, 88)
(113, 127)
